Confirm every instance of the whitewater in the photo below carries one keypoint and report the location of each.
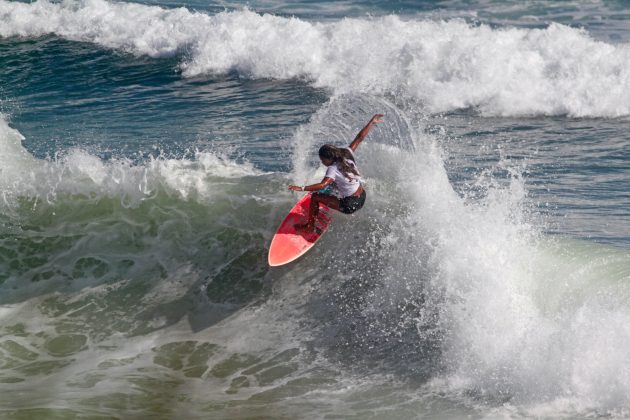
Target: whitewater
(445, 64)
(145, 153)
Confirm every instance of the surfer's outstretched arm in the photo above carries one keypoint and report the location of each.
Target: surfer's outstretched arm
(364, 131)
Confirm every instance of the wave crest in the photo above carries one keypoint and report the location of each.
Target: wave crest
(446, 65)
(79, 173)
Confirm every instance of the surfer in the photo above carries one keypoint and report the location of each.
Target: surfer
(343, 174)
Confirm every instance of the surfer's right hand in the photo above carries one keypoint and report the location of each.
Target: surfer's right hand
(296, 188)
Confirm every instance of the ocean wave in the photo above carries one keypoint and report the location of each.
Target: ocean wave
(446, 65)
(513, 315)
(22, 176)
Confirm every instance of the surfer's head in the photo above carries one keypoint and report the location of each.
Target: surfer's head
(328, 154)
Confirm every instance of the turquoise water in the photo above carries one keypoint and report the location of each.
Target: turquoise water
(145, 153)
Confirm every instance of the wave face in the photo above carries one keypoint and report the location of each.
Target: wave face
(445, 65)
(106, 266)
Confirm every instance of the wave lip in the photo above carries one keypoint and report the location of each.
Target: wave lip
(446, 65)
(22, 176)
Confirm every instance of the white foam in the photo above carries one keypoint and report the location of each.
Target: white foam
(542, 322)
(539, 321)
(79, 173)
(445, 65)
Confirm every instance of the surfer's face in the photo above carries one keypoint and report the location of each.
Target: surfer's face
(325, 161)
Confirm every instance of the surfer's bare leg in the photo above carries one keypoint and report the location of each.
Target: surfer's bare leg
(327, 199)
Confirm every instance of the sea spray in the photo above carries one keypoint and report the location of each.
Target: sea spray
(465, 290)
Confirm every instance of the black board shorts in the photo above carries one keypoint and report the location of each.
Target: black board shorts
(352, 203)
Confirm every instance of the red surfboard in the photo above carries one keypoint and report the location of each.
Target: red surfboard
(288, 243)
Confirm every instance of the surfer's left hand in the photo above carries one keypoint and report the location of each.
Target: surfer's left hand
(376, 118)
(295, 188)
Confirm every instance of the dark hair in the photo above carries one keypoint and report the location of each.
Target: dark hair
(339, 156)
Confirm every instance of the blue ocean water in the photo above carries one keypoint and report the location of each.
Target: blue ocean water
(145, 153)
